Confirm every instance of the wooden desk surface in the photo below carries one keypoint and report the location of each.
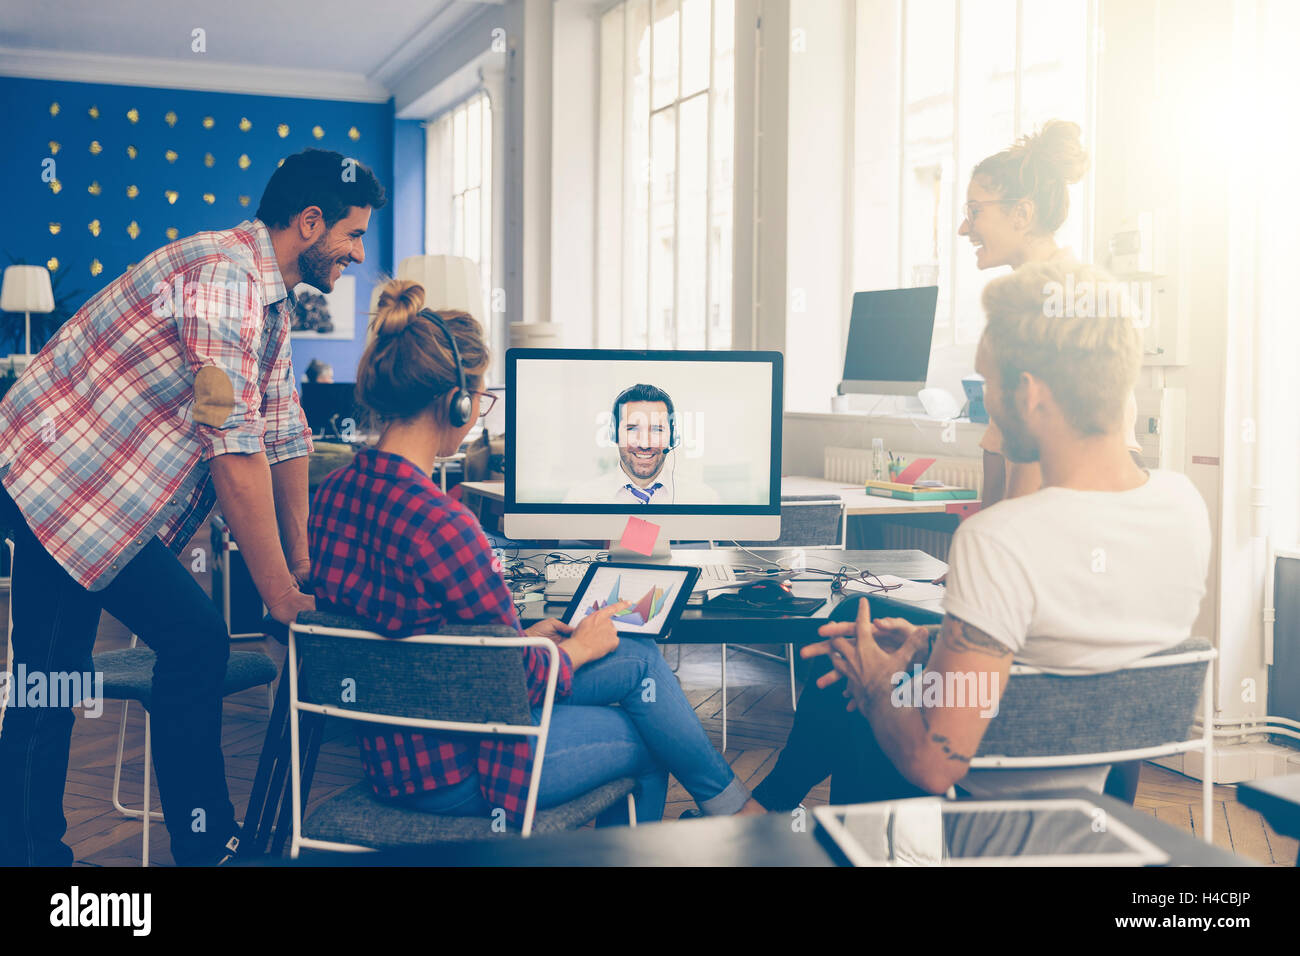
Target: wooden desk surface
(856, 499)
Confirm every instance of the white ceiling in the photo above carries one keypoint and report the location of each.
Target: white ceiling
(327, 48)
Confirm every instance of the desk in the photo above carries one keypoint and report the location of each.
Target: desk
(856, 500)
(705, 625)
(767, 840)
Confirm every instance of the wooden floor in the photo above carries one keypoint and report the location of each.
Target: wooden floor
(759, 718)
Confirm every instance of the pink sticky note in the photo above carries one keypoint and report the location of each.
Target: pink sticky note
(640, 536)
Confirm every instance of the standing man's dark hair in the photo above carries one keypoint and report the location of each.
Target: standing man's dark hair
(318, 177)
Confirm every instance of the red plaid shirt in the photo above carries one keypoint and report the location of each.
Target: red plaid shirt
(99, 447)
(387, 545)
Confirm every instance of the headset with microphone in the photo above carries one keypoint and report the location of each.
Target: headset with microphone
(461, 410)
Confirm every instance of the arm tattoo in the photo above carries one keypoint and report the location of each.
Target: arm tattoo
(941, 740)
(962, 637)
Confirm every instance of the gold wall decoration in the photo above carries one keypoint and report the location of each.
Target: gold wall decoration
(52, 263)
(318, 132)
(96, 267)
(93, 112)
(95, 188)
(132, 191)
(133, 229)
(94, 228)
(209, 198)
(209, 160)
(133, 115)
(244, 200)
(54, 111)
(279, 164)
(56, 228)
(54, 148)
(244, 161)
(95, 148)
(172, 195)
(244, 124)
(172, 233)
(132, 152)
(283, 130)
(56, 187)
(209, 122)
(170, 117)
(170, 155)
(354, 134)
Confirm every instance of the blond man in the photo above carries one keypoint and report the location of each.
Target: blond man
(1102, 566)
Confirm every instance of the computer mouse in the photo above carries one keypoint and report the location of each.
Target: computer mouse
(765, 592)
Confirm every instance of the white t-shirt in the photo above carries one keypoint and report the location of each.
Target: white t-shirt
(1077, 582)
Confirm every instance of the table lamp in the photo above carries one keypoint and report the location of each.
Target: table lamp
(26, 289)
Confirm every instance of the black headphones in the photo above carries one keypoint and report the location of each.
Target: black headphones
(461, 410)
(627, 395)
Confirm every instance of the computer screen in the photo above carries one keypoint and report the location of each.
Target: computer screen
(890, 332)
(616, 432)
(331, 408)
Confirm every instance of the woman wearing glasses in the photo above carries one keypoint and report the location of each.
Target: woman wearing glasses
(386, 544)
(1016, 201)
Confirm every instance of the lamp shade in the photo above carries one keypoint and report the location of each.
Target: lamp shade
(27, 289)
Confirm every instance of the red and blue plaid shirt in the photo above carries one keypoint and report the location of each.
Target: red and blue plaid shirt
(99, 446)
(387, 545)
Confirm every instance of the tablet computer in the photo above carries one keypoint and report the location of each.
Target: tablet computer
(930, 831)
(657, 592)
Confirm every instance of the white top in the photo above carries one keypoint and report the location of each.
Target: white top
(670, 490)
(1077, 582)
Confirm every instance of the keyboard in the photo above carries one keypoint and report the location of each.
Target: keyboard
(562, 579)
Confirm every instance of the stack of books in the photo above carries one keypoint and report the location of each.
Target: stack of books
(893, 489)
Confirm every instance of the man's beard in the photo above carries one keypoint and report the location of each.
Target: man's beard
(315, 266)
(1017, 444)
(630, 463)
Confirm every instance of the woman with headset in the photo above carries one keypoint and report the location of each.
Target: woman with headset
(386, 544)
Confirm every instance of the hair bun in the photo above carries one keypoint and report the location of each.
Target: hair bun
(399, 302)
(1056, 152)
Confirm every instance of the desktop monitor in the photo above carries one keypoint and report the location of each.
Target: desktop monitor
(689, 440)
(331, 409)
(889, 341)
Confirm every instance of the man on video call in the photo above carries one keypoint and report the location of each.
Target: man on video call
(645, 429)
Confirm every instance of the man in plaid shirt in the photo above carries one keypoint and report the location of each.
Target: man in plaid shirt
(169, 391)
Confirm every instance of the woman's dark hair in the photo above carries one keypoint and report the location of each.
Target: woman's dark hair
(318, 177)
(1039, 167)
(407, 365)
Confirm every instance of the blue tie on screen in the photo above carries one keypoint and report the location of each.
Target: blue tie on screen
(644, 496)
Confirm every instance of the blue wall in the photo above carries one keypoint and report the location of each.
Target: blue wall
(29, 205)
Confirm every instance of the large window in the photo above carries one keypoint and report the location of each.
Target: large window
(665, 174)
(458, 193)
(976, 74)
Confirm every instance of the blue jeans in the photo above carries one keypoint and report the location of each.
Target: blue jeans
(55, 623)
(652, 732)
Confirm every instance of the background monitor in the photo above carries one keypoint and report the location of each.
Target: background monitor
(712, 470)
(889, 341)
(329, 407)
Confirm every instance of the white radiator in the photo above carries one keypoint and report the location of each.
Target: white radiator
(853, 465)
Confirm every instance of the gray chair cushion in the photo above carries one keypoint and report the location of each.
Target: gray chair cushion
(807, 521)
(356, 816)
(128, 673)
(1050, 715)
